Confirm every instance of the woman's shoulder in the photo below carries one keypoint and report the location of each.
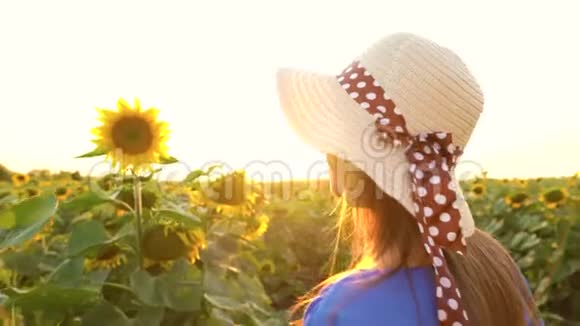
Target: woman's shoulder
(365, 297)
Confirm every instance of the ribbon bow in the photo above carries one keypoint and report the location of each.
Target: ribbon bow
(432, 157)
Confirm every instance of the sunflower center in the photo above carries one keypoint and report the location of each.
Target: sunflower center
(519, 198)
(161, 246)
(132, 135)
(149, 198)
(478, 190)
(230, 189)
(554, 196)
(61, 191)
(267, 268)
(21, 178)
(32, 192)
(108, 253)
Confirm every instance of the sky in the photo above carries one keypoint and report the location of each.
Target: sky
(209, 67)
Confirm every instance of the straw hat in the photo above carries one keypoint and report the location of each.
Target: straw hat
(432, 89)
(402, 113)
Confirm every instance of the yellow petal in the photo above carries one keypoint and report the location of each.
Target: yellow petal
(137, 104)
(122, 105)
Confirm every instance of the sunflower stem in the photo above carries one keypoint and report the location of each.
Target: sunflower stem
(138, 217)
(13, 316)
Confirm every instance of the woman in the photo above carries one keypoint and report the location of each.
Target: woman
(393, 125)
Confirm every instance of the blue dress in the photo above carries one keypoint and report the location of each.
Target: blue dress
(406, 298)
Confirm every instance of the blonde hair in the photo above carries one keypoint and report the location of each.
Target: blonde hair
(494, 290)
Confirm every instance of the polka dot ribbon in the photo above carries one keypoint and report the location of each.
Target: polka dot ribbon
(432, 157)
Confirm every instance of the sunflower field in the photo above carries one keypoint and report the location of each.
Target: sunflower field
(216, 248)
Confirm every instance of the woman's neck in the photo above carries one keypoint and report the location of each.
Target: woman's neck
(392, 259)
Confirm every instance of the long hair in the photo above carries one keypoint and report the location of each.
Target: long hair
(493, 289)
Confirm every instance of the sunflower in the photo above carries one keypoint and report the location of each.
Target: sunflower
(39, 174)
(518, 200)
(573, 180)
(521, 182)
(245, 208)
(155, 268)
(131, 137)
(44, 184)
(19, 179)
(82, 188)
(169, 242)
(107, 183)
(554, 198)
(267, 267)
(257, 227)
(62, 193)
(148, 197)
(76, 176)
(478, 190)
(32, 192)
(62, 176)
(230, 195)
(229, 189)
(46, 230)
(108, 257)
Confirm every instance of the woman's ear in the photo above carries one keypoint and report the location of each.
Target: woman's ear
(347, 180)
(356, 188)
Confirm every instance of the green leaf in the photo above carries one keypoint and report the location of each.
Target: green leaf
(26, 219)
(7, 199)
(253, 289)
(279, 320)
(145, 287)
(148, 177)
(95, 152)
(568, 268)
(214, 281)
(517, 240)
(540, 226)
(178, 289)
(96, 278)
(52, 297)
(218, 317)
(7, 219)
(224, 303)
(181, 287)
(549, 316)
(127, 230)
(260, 309)
(24, 262)
(69, 273)
(193, 175)
(494, 226)
(531, 241)
(105, 314)
(179, 215)
(3, 299)
(32, 210)
(149, 316)
(85, 202)
(167, 160)
(86, 235)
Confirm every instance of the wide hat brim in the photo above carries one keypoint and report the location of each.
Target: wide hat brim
(324, 116)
